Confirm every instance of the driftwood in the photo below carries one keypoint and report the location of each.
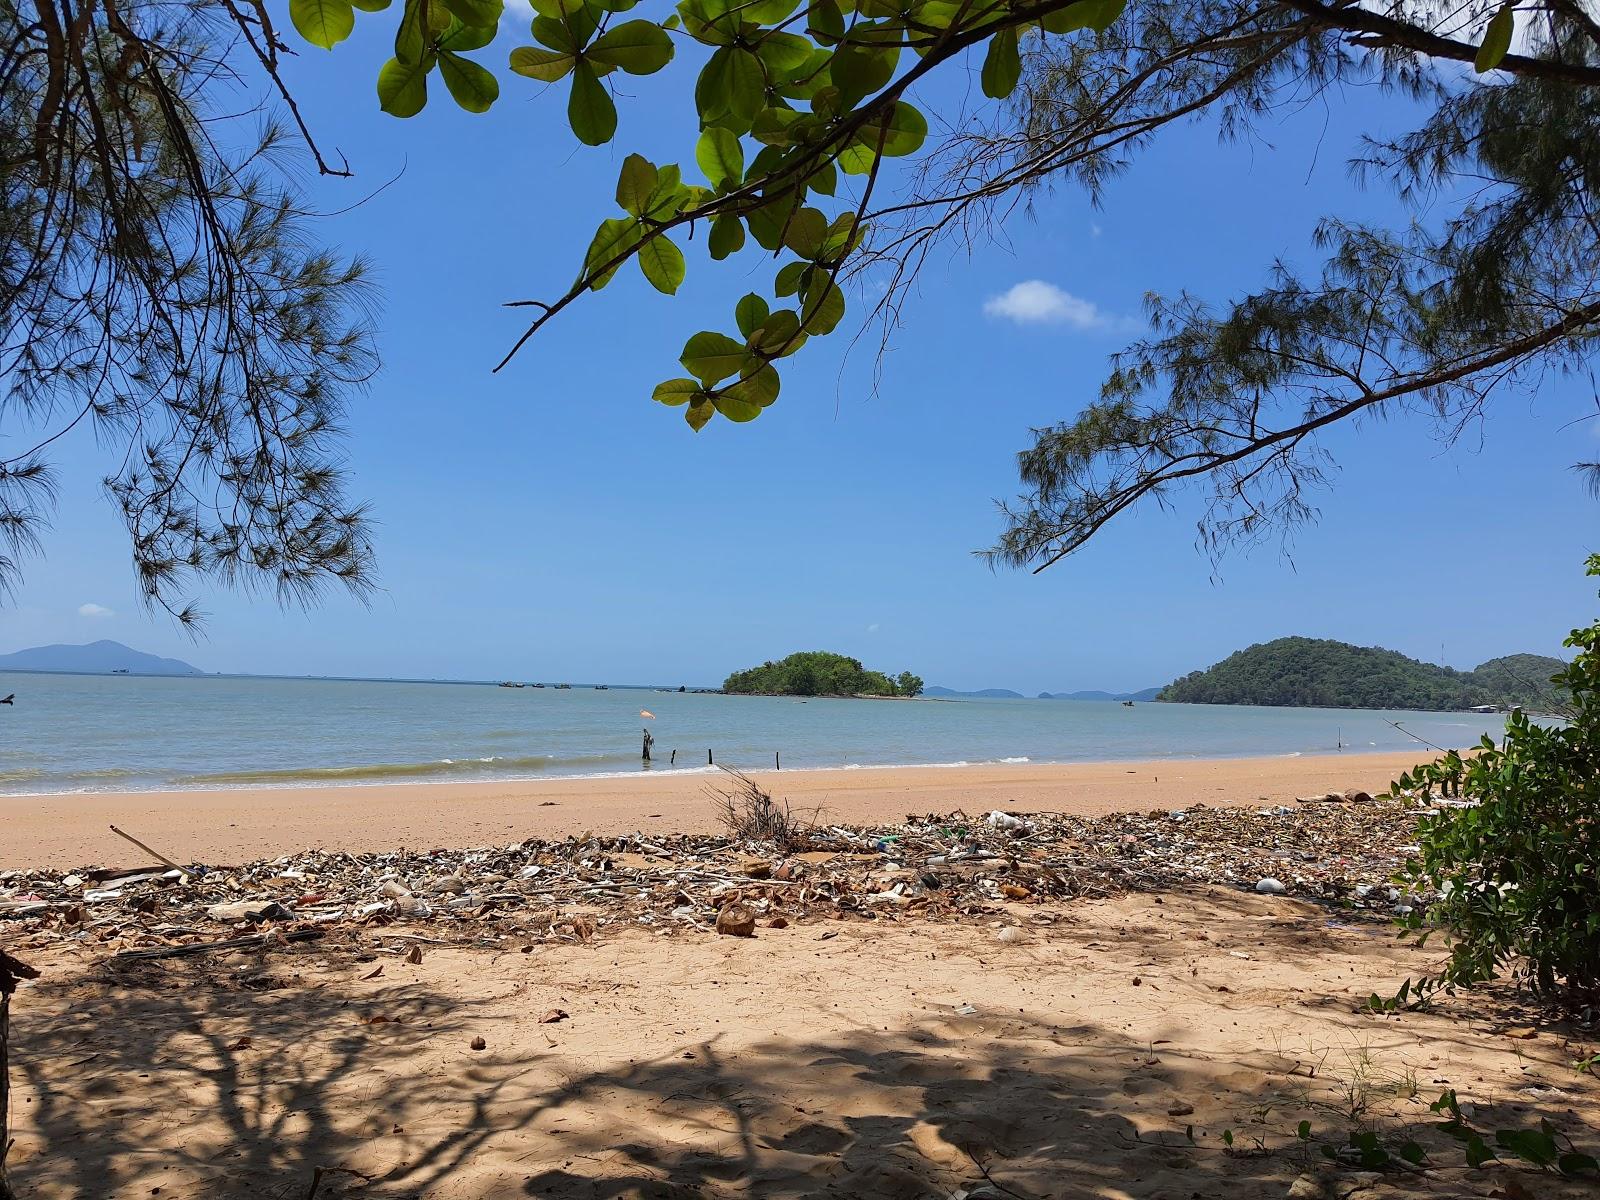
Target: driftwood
(251, 941)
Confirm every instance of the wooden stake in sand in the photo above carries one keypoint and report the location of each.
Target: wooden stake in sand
(12, 972)
(157, 855)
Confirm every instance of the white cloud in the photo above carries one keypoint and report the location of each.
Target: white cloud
(1095, 230)
(873, 628)
(1035, 302)
(94, 610)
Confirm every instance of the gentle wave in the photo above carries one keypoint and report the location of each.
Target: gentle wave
(492, 764)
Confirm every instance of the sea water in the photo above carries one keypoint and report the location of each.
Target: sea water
(124, 732)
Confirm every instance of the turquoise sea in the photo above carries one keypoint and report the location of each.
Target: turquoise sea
(69, 733)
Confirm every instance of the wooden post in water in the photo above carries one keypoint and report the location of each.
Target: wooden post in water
(673, 761)
(710, 762)
(777, 763)
(648, 742)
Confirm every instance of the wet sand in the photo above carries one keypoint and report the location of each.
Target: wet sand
(220, 827)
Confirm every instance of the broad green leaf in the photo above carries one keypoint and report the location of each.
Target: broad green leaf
(698, 413)
(708, 21)
(859, 71)
(1086, 14)
(856, 159)
(824, 180)
(823, 307)
(590, 110)
(410, 40)
(937, 14)
(613, 238)
(403, 87)
(550, 32)
(731, 84)
(1496, 40)
(784, 53)
(735, 406)
(767, 223)
(791, 278)
(843, 236)
(750, 312)
(1102, 13)
(476, 13)
(805, 232)
(474, 88)
(556, 9)
(825, 22)
(779, 335)
(759, 387)
(669, 197)
(1575, 1163)
(323, 23)
(662, 264)
(371, 5)
(898, 131)
(767, 12)
(676, 391)
(1002, 66)
(727, 237)
(637, 47)
(548, 65)
(635, 182)
(771, 126)
(720, 156)
(711, 357)
(459, 37)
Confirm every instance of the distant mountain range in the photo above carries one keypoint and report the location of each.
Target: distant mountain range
(1143, 694)
(1008, 694)
(97, 658)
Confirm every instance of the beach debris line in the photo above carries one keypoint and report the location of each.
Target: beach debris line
(939, 867)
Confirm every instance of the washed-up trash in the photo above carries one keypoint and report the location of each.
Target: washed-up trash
(1268, 886)
(737, 920)
(1005, 820)
(939, 867)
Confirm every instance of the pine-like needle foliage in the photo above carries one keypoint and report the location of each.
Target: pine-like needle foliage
(1499, 292)
(157, 285)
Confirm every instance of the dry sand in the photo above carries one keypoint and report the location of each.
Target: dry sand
(237, 825)
(828, 1059)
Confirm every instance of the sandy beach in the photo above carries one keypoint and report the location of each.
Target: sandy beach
(1104, 1056)
(219, 827)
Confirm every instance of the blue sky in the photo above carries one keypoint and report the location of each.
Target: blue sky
(551, 522)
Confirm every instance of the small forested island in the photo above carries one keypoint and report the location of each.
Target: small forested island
(1320, 673)
(820, 673)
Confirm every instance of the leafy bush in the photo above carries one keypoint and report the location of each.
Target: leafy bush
(1515, 867)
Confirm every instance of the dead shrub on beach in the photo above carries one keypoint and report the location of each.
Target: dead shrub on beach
(750, 814)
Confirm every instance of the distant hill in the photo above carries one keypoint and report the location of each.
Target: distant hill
(819, 673)
(99, 657)
(1144, 694)
(1319, 673)
(984, 694)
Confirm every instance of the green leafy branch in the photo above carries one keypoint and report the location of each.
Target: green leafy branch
(790, 95)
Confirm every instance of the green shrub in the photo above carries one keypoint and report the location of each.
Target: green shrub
(1515, 868)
